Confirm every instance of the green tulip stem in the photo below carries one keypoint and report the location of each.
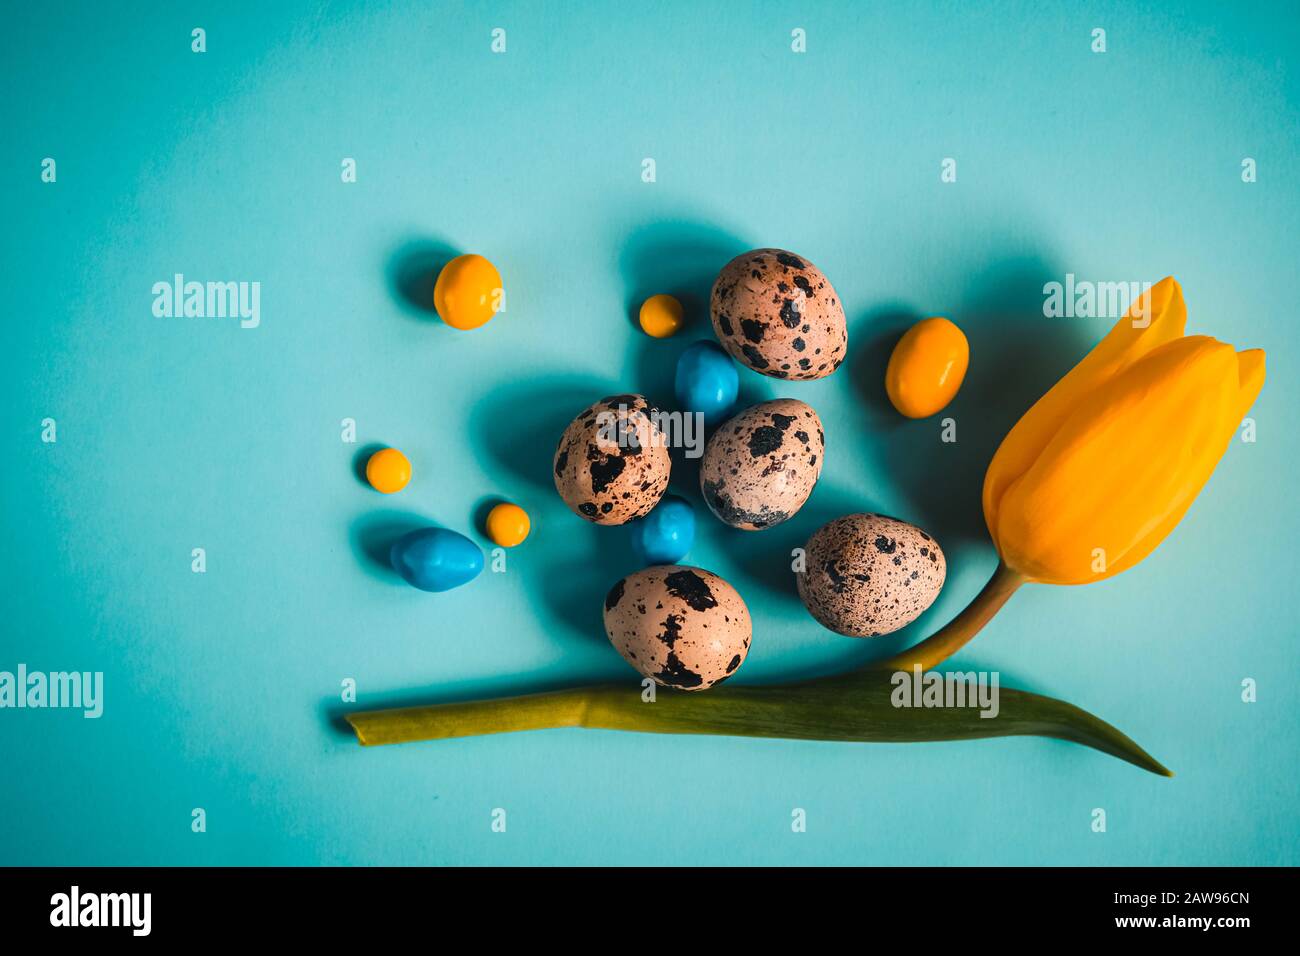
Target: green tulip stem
(952, 637)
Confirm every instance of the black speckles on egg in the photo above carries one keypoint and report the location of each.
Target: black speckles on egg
(868, 575)
(726, 509)
(614, 596)
(699, 632)
(676, 674)
(751, 476)
(688, 585)
(604, 470)
(768, 305)
(755, 358)
(612, 462)
(764, 440)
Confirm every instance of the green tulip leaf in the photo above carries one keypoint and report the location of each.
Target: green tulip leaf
(850, 707)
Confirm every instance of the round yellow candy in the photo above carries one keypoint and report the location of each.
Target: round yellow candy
(927, 367)
(508, 525)
(468, 292)
(388, 470)
(661, 316)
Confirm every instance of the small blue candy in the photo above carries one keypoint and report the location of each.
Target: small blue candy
(707, 381)
(666, 534)
(436, 559)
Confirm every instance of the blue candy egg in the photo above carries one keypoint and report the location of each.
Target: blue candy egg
(707, 381)
(666, 533)
(436, 559)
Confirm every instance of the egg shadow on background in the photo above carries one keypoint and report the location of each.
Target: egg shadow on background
(520, 425)
(413, 269)
(372, 536)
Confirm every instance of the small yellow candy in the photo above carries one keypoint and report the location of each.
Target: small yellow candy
(468, 292)
(661, 316)
(388, 471)
(507, 525)
(927, 367)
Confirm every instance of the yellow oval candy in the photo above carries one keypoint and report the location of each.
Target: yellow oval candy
(661, 316)
(468, 292)
(388, 470)
(927, 367)
(508, 525)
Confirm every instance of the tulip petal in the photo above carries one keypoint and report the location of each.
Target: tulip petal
(1124, 467)
(1129, 340)
(1251, 373)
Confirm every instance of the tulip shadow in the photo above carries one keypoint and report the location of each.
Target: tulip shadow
(412, 272)
(937, 464)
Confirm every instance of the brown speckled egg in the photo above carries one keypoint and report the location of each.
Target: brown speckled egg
(760, 466)
(682, 627)
(868, 575)
(612, 463)
(778, 314)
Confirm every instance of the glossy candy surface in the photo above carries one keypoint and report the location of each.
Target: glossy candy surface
(707, 381)
(666, 534)
(508, 524)
(388, 470)
(661, 316)
(467, 293)
(927, 367)
(436, 559)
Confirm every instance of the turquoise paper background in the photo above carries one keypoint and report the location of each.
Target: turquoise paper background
(222, 688)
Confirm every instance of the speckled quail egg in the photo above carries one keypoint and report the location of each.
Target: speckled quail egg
(612, 462)
(777, 313)
(867, 575)
(760, 466)
(683, 627)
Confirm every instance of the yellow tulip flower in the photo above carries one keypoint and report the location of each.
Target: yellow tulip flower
(1099, 471)
(1102, 467)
